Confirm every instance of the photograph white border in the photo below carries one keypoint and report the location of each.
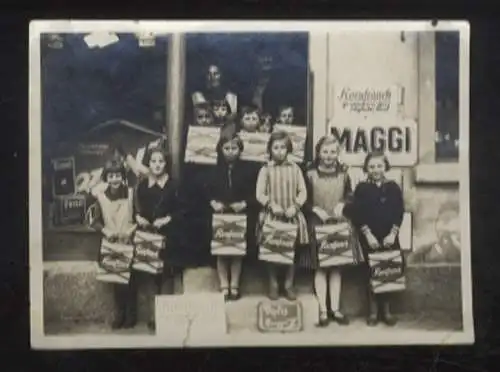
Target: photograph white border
(380, 337)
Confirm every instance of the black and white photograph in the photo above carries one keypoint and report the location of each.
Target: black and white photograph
(249, 183)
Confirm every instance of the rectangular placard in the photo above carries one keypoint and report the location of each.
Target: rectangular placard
(278, 242)
(279, 317)
(387, 271)
(147, 256)
(229, 233)
(334, 244)
(201, 145)
(115, 260)
(397, 138)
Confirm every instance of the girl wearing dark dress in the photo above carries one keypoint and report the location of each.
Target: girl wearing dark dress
(377, 211)
(113, 217)
(158, 209)
(230, 190)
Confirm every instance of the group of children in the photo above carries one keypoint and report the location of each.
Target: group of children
(281, 191)
(249, 120)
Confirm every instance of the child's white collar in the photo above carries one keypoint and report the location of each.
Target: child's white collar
(160, 181)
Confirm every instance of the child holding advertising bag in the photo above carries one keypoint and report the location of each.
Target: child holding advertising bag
(377, 211)
(229, 193)
(157, 216)
(113, 217)
(329, 191)
(282, 191)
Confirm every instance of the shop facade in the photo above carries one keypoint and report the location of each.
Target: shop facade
(403, 63)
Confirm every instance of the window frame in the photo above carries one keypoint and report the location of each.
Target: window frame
(429, 169)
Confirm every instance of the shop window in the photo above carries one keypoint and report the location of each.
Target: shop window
(84, 86)
(447, 95)
(96, 95)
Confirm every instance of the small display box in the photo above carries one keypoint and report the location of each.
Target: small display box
(63, 177)
(70, 210)
(280, 317)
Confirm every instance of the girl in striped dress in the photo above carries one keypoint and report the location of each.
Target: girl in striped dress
(282, 191)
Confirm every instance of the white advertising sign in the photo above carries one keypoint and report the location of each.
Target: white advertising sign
(396, 138)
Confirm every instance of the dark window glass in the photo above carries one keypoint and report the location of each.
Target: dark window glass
(83, 87)
(447, 95)
(269, 70)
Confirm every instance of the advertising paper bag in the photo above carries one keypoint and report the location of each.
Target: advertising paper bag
(201, 145)
(255, 146)
(148, 247)
(115, 260)
(229, 235)
(387, 271)
(277, 242)
(334, 244)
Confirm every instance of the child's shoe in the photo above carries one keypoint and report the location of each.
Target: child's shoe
(225, 292)
(338, 317)
(235, 294)
(273, 292)
(119, 321)
(131, 317)
(130, 323)
(372, 320)
(323, 319)
(290, 294)
(152, 325)
(387, 317)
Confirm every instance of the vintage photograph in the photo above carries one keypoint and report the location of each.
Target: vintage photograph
(225, 184)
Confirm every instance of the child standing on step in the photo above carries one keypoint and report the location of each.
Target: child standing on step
(158, 209)
(282, 192)
(377, 211)
(329, 191)
(113, 217)
(230, 190)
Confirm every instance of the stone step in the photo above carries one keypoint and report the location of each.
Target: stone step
(72, 294)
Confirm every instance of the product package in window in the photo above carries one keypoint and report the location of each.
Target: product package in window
(201, 145)
(277, 242)
(387, 271)
(63, 176)
(298, 136)
(148, 248)
(229, 233)
(115, 260)
(335, 242)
